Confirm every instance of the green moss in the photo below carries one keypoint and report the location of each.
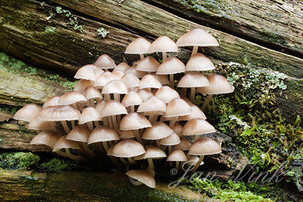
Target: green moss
(275, 38)
(50, 30)
(57, 165)
(18, 160)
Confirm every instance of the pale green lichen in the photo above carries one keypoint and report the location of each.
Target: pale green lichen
(102, 33)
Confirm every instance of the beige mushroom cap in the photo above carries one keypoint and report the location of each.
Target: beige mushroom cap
(123, 67)
(115, 86)
(91, 93)
(177, 107)
(88, 72)
(38, 124)
(177, 155)
(171, 65)
(27, 113)
(166, 94)
(138, 46)
(152, 152)
(100, 106)
(152, 104)
(145, 94)
(192, 80)
(193, 161)
(204, 146)
(63, 143)
(131, 99)
(128, 148)
(104, 78)
(148, 64)
(184, 145)
(105, 62)
(149, 81)
(89, 114)
(79, 134)
(177, 128)
(163, 44)
(172, 139)
(195, 113)
(197, 127)
(82, 85)
(52, 101)
(71, 98)
(133, 70)
(199, 62)
(144, 176)
(197, 37)
(218, 85)
(47, 137)
(134, 121)
(159, 130)
(130, 81)
(127, 134)
(163, 79)
(113, 108)
(59, 113)
(103, 134)
(119, 74)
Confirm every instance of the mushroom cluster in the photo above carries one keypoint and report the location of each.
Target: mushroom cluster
(131, 114)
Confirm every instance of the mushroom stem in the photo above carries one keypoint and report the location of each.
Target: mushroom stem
(164, 56)
(73, 124)
(177, 166)
(141, 56)
(151, 164)
(207, 100)
(153, 118)
(196, 137)
(74, 157)
(173, 121)
(65, 126)
(90, 153)
(198, 163)
(132, 161)
(158, 143)
(61, 154)
(183, 92)
(109, 120)
(137, 134)
(105, 121)
(171, 80)
(96, 123)
(79, 106)
(99, 148)
(132, 108)
(107, 97)
(115, 123)
(192, 94)
(118, 120)
(92, 103)
(195, 50)
(117, 97)
(105, 146)
(134, 182)
(90, 126)
(169, 149)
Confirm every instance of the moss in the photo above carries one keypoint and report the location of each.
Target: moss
(50, 30)
(18, 160)
(57, 165)
(275, 38)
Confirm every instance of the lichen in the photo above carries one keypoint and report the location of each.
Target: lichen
(102, 33)
(50, 30)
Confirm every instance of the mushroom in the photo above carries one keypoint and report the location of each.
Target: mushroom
(131, 81)
(170, 141)
(137, 177)
(27, 113)
(128, 148)
(148, 64)
(199, 62)
(177, 128)
(163, 44)
(38, 124)
(162, 78)
(127, 134)
(153, 107)
(47, 137)
(138, 46)
(113, 109)
(134, 121)
(119, 74)
(176, 107)
(204, 146)
(105, 62)
(195, 113)
(177, 156)
(88, 116)
(73, 98)
(158, 131)
(145, 94)
(90, 94)
(116, 88)
(166, 94)
(131, 100)
(184, 145)
(82, 85)
(196, 127)
(123, 67)
(218, 85)
(193, 80)
(151, 153)
(149, 81)
(88, 72)
(171, 66)
(99, 107)
(133, 70)
(103, 79)
(197, 37)
(52, 101)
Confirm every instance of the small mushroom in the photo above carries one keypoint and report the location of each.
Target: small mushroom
(158, 131)
(138, 46)
(176, 107)
(137, 177)
(171, 66)
(163, 44)
(88, 116)
(199, 62)
(82, 85)
(150, 154)
(88, 72)
(105, 62)
(27, 113)
(196, 127)
(177, 156)
(131, 100)
(123, 67)
(148, 64)
(113, 109)
(116, 88)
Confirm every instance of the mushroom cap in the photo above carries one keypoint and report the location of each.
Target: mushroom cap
(177, 128)
(127, 134)
(27, 112)
(171, 65)
(152, 152)
(130, 80)
(218, 85)
(197, 37)
(59, 113)
(144, 176)
(79, 134)
(89, 114)
(134, 121)
(145, 94)
(113, 108)
(63, 143)
(47, 137)
(100, 106)
(105, 62)
(91, 93)
(197, 127)
(148, 64)
(193, 161)
(172, 139)
(115, 86)
(153, 105)
(163, 44)
(131, 99)
(159, 130)
(88, 72)
(177, 155)
(118, 74)
(52, 101)
(149, 81)
(204, 146)
(123, 67)
(38, 124)
(163, 79)
(133, 70)
(103, 134)
(184, 145)
(82, 85)
(104, 78)
(177, 107)
(166, 94)
(192, 80)
(195, 113)
(138, 46)
(199, 62)
(71, 98)
(128, 148)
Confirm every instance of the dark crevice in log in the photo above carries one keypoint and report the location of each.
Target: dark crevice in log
(216, 23)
